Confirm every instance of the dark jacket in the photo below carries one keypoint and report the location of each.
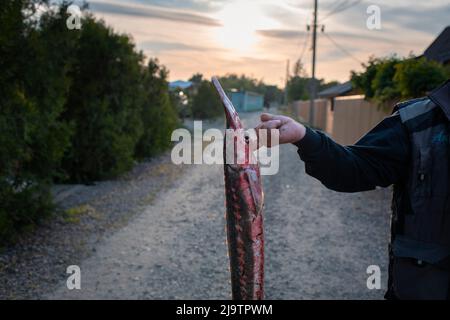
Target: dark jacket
(409, 150)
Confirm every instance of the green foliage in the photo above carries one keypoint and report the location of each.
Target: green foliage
(206, 102)
(104, 104)
(158, 113)
(299, 85)
(383, 85)
(272, 94)
(196, 79)
(387, 80)
(298, 88)
(245, 83)
(33, 138)
(75, 105)
(363, 80)
(417, 77)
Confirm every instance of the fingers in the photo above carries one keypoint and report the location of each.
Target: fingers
(266, 126)
(271, 124)
(270, 117)
(266, 117)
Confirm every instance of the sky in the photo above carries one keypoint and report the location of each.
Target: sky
(257, 37)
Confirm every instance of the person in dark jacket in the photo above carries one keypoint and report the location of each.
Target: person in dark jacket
(411, 151)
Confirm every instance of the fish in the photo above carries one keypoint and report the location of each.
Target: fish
(244, 202)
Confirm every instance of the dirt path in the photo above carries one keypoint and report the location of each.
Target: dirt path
(318, 242)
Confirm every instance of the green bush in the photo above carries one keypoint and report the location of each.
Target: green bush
(388, 80)
(417, 77)
(104, 104)
(206, 102)
(158, 112)
(33, 138)
(74, 106)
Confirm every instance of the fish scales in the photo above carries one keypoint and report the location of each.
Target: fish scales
(244, 216)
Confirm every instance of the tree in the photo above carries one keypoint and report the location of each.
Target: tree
(271, 93)
(383, 86)
(388, 80)
(158, 113)
(417, 77)
(196, 79)
(364, 80)
(298, 88)
(74, 106)
(299, 69)
(206, 103)
(299, 85)
(242, 82)
(104, 104)
(33, 137)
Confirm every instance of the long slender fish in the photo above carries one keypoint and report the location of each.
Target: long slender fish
(244, 215)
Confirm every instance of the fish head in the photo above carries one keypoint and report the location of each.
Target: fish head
(232, 117)
(239, 143)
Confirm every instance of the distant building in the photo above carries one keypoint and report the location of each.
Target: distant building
(246, 101)
(439, 50)
(339, 90)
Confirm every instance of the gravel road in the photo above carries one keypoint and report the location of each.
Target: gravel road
(319, 243)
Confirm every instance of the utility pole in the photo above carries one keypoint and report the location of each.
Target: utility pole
(287, 83)
(313, 76)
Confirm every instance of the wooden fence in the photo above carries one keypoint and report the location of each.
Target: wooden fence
(349, 119)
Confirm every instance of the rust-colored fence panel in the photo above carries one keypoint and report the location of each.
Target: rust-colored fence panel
(301, 110)
(350, 119)
(353, 117)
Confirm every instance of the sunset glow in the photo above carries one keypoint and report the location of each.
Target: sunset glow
(257, 37)
(241, 21)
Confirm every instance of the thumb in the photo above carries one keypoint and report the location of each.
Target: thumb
(267, 117)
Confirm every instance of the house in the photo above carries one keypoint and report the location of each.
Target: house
(344, 89)
(439, 50)
(246, 101)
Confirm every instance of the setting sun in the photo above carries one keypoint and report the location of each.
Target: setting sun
(240, 21)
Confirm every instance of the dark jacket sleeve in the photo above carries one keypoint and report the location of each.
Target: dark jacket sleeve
(380, 158)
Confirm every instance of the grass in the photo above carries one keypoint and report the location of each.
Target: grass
(73, 215)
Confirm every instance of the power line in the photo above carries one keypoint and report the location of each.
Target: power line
(342, 6)
(346, 4)
(342, 48)
(335, 5)
(305, 40)
(305, 45)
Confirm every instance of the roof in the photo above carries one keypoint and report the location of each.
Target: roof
(180, 84)
(245, 92)
(439, 50)
(337, 90)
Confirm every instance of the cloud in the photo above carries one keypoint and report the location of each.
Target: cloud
(162, 46)
(426, 19)
(288, 16)
(299, 4)
(197, 5)
(285, 34)
(182, 33)
(153, 12)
